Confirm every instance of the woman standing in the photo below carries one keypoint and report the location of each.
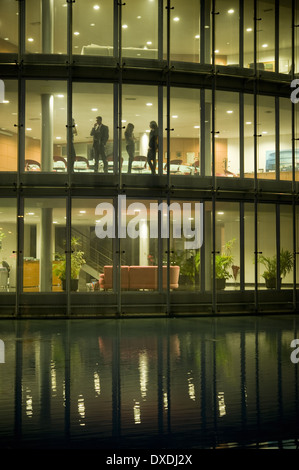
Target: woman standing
(130, 144)
(152, 146)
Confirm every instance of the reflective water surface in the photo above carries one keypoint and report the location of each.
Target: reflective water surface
(149, 383)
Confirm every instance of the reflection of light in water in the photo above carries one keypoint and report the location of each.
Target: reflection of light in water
(53, 377)
(29, 407)
(97, 383)
(63, 392)
(191, 388)
(137, 413)
(165, 401)
(143, 373)
(81, 409)
(221, 404)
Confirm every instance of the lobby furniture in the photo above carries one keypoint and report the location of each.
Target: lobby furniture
(140, 277)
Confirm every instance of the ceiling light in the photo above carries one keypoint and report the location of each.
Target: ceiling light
(55, 222)
(174, 117)
(264, 132)
(138, 17)
(176, 18)
(124, 26)
(58, 138)
(82, 212)
(229, 112)
(5, 101)
(265, 45)
(6, 39)
(96, 7)
(216, 51)
(149, 104)
(60, 96)
(231, 11)
(94, 109)
(220, 213)
(196, 127)
(149, 43)
(30, 39)
(197, 36)
(92, 24)
(28, 129)
(76, 33)
(248, 122)
(249, 30)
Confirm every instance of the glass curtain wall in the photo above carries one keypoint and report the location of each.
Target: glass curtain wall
(285, 37)
(266, 143)
(267, 248)
(8, 245)
(286, 259)
(265, 28)
(248, 124)
(227, 32)
(285, 139)
(9, 127)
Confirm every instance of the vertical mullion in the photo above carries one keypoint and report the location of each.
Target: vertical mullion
(241, 127)
(160, 29)
(241, 33)
(276, 40)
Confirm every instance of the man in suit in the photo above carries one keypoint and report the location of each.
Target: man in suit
(100, 134)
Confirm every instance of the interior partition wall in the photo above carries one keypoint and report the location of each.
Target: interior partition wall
(188, 202)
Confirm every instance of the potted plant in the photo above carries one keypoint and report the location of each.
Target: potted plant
(223, 262)
(188, 266)
(270, 263)
(77, 261)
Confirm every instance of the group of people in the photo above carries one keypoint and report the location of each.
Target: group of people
(100, 134)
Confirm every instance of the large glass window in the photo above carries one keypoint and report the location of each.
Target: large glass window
(184, 31)
(44, 245)
(285, 36)
(8, 127)
(227, 32)
(266, 35)
(248, 33)
(286, 260)
(185, 118)
(8, 245)
(227, 136)
(92, 146)
(285, 139)
(93, 28)
(249, 246)
(140, 29)
(92, 256)
(266, 144)
(46, 26)
(9, 26)
(45, 126)
(248, 124)
(267, 255)
(139, 110)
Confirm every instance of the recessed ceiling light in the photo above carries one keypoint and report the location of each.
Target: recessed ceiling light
(96, 7)
(5, 101)
(216, 51)
(248, 122)
(197, 36)
(60, 96)
(92, 24)
(30, 39)
(6, 39)
(55, 222)
(176, 19)
(149, 43)
(76, 33)
(265, 45)
(82, 212)
(58, 138)
(124, 26)
(230, 11)
(220, 213)
(174, 116)
(249, 30)
(196, 127)
(30, 213)
(94, 109)
(123, 120)
(138, 17)
(229, 111)
(264, 132)
(149, 104)
(28, 129)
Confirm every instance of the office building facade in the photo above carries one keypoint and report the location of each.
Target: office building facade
(95, 218)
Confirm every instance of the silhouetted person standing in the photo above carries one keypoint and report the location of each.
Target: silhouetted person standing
(100, 134)
(130, 144)
(152, 146)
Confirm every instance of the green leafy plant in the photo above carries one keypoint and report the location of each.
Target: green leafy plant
(224, 261)
(188, 266)
(286, 262)
(77, 261)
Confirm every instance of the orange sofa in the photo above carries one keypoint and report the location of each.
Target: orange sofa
(140, 277)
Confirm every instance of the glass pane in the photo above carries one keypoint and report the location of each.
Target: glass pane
(93, 139)
(140, 29)
(296, 37)
(8, 131)
(266, 154)
(249, 246)
(91, 260)
(8, 245)
(266, 35)
(296, 142)
(286, 247)
(227, 32)
(285, 36)
(227, 258)
(208, 135)
(184, 31)
(139, 264)
(44, 244)
(140, 108)
(46, 26)
(9, 13)
(267, 265)
(45, 128)
(227, 137)
(248, 136)
(285, 139)
(248, 34)
(186, 226)
(185, 138)
(93, 28)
